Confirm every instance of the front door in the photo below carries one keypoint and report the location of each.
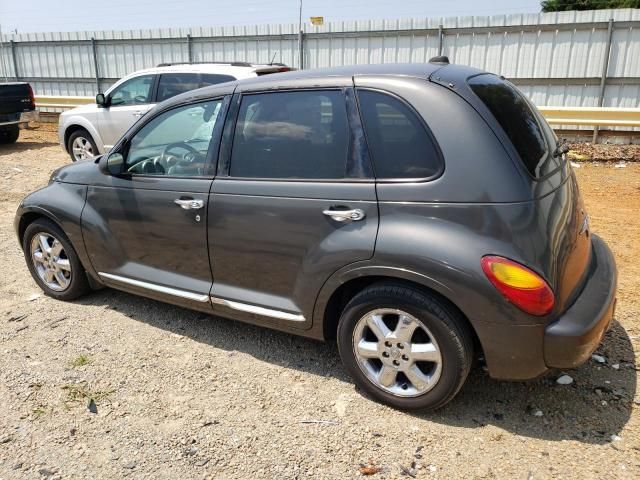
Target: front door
(145, 229)
(291, 206)
(127, 102)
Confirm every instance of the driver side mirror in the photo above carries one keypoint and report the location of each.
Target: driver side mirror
(111, 163)
(102, 100)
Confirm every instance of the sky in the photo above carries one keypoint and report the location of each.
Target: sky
(74, 15)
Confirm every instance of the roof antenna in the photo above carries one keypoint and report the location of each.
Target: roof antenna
(274, 57)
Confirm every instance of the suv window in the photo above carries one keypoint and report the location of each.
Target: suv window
(134, 91)
(172, 84)
(301, 134)
(214, 78)
(519, 121)
(175, 142)
(398, 141)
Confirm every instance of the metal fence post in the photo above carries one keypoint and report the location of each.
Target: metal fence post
(440, 39)
(301, 49)
(189, 48)
(603, 76)
(15, 62)
(95, 62)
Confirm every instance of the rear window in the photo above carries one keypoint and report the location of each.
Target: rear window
(398, 142)
(519, 121)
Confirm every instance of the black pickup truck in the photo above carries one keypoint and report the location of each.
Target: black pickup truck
(17, 109)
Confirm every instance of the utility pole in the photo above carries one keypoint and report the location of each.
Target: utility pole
(300, 46)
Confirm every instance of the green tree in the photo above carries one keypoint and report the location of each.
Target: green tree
(564, 5)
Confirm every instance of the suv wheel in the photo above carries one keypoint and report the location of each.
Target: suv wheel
(9, 134)
(52, 261)
(404, 347)
(81, 146)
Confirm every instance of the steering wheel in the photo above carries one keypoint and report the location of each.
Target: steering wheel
(165, 153)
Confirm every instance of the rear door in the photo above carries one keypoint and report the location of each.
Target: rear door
(294, 201)
(127, 103)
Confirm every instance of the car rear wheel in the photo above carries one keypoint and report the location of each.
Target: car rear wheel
(53, 262)
(81, 146)
(9, 134)
(405, 347)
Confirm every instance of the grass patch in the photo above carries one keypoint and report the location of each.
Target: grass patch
(78, 392)
(80, 360)
(39, 412)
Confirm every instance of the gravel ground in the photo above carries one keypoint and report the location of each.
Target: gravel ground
(119, 386)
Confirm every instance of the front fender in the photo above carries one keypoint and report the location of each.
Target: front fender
(74, 121)
(62, 203)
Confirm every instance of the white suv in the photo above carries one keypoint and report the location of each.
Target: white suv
(93, 129)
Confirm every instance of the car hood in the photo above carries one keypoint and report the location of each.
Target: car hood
(84, 172)
(89, 107)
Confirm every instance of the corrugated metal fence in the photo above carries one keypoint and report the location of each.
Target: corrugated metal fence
(559, 59)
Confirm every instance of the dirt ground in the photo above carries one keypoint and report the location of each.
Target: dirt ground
(182, 395)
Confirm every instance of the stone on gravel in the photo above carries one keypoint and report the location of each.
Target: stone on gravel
(598, 358)
(564, 380)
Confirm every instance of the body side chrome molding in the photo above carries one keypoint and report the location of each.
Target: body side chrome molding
(267, 312)
(156, 288)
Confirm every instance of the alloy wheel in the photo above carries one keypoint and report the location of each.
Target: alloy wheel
(397, 352)
(51, 261)
(82, 149)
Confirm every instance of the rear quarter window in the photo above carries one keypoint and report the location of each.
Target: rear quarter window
(398, 142)
(519, 120)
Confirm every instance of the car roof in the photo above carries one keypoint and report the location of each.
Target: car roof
(236, 69)
(341, 75)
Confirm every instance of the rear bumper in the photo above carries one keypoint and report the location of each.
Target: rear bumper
(21, 119)
(570, 340)
(522, 352)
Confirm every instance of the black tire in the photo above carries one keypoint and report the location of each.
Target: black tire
(9, 134)
(78, 285)
(444, 322)
(81, 133)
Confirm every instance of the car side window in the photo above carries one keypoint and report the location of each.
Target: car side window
(175, 143)
(301, 134)
(172, 84)
(398, 142)
(207, 79)
(132, 92)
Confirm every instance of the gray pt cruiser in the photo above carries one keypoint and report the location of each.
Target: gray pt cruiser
(420, 215)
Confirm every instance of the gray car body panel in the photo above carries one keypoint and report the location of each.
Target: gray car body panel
(267, 244)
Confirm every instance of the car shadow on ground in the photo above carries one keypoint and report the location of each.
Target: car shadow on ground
(595, 407)
(24, 145)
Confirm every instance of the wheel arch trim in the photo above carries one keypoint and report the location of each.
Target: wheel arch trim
(365, 270)
(77, 122)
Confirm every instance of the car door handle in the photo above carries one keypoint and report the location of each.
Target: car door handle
(189, 204)
(138, 114)
(345, 215)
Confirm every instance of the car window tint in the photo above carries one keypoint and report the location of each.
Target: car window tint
(213, 79)
(172, 84)
(301, 134)
(134, 91)
(174, 143)
(517, 118)
(398, 142)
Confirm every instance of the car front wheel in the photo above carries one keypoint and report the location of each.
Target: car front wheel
(81, 146)
(52, 261)
(404, 347)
